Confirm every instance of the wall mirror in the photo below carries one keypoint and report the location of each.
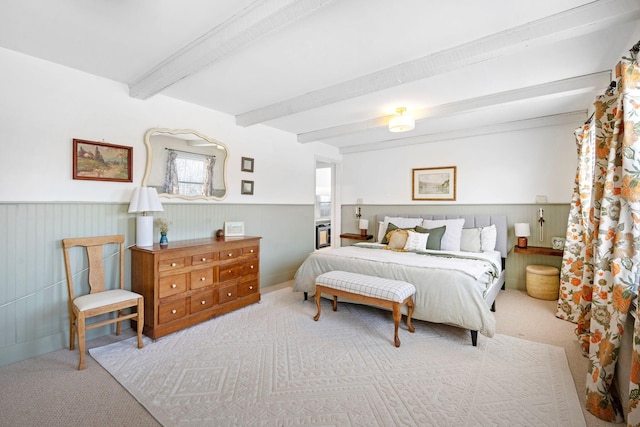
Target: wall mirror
(185, 163)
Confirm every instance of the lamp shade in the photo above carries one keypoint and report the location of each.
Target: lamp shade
(401, 122)
(145, 199)
(522, 229)
(363, 224)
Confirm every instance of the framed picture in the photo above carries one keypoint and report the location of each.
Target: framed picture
(247, 164)
(557, 242)
(99, 161)
(247, 187)
(233, 228)
(434, 183)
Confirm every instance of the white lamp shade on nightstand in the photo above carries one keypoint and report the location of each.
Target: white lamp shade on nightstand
(144, 200)
(522, 229)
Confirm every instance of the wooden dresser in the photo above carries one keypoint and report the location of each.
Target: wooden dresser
(190, 281)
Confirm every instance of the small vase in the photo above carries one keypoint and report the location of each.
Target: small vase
(163, 239)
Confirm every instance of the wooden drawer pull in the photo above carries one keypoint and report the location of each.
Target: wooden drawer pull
(203, 259)
(202, 279)
(229, 254)
(174, 311)
(229, 294)
(174, 286)
(173, 264)
(230, 271)
(251, 267)
(251, 251)
(250, 288)
(203, 302)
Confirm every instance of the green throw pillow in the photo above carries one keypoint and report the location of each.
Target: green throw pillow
(435, 236)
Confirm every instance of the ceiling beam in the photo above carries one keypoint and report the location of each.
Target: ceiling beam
(592, 82)
(585, 19)
(575, 117)
(251, 24)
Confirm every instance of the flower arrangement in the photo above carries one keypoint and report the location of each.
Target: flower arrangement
(163, 225)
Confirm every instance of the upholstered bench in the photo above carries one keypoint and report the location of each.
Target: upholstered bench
(377, 291)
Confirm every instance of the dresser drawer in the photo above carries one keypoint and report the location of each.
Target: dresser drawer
(202, 301)
(230, 254)
(170, 264)
(251, 250)
(202, 278)
(248, 288)
(172, 285)
(204, 259)
(250, 268)
(172, 311)
(227, 293)
(231, 271)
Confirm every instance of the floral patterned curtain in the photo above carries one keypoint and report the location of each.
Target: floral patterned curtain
(208, 188)
(600, 263)
(171, 174)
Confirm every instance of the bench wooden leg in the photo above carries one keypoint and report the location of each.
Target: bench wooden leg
(397, 316)
(335, 303)
(409, 314)
(317, 316)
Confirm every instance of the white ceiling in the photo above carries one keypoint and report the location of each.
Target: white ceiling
(335, 70)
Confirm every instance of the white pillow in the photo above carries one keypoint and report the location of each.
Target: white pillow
(398, 221)
(488, 238)
(452, 235)
(471, 241)
(416, 242)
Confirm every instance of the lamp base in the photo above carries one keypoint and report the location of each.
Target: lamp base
(522, 242)
(144, 230)
(363, 231)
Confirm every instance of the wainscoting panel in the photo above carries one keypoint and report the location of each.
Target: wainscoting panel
(33, 296)
(555, 216)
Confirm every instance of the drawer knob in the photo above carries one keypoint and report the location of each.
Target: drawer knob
(203, 302)
(251, 251)
(229, 294)
(174, 311)
(202, 279)
(173, 264)
(203, 259)
(230, 271)
(174, 286)
(250, 288)
(251, 267)
(229, 254)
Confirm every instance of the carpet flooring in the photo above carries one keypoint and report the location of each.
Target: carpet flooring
(271, 364)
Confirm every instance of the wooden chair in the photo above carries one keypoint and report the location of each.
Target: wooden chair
(99, 300)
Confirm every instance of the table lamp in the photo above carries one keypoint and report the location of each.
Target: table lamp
(363, 224)
(522, 232)
(143, 201)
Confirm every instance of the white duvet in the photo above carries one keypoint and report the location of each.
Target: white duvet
(450, 286)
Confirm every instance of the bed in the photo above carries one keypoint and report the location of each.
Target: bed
(456, 283)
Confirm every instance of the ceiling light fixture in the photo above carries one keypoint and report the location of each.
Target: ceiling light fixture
(401, 122)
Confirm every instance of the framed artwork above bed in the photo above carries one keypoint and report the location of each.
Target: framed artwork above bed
(434, 183)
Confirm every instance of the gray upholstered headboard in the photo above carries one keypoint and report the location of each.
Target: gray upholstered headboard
(471, 221)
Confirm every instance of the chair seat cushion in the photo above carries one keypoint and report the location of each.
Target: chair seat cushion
(99, 299)
(377, 287)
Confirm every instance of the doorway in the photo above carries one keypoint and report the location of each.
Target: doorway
(324, 203)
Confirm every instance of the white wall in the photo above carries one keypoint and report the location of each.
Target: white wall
(45, 106)
(506, 168)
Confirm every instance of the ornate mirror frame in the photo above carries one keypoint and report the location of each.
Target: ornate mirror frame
(186, 141)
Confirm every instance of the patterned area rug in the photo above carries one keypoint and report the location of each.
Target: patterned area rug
(270, 364)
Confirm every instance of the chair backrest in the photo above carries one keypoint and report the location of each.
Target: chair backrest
(94, 247)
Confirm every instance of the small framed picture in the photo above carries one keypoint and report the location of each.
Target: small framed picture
(99, 161)
(557, 242)
(247, 164)
(247, 187)
(233, 228)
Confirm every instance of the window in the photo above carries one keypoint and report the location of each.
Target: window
(191, 173)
